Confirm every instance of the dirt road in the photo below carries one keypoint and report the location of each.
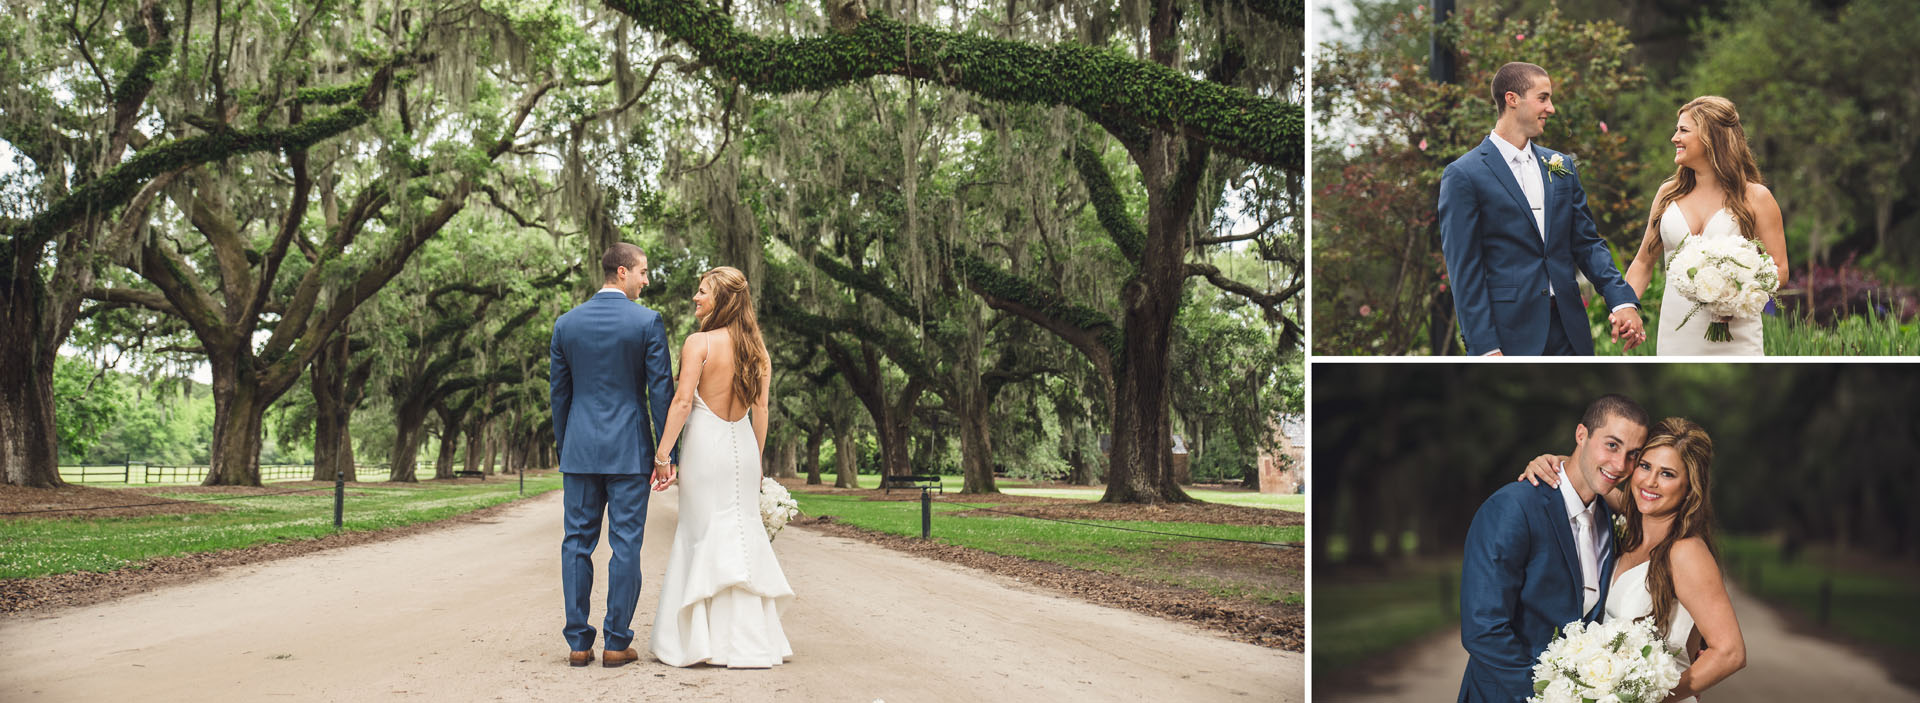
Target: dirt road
(472, 612)
(1781, 666)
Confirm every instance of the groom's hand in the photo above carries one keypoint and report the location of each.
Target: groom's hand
(1627, 328)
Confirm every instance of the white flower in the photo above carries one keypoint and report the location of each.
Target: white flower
(777, 506)
(1618, 660)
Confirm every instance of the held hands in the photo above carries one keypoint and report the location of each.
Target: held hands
(1627, 327)
(663, 473)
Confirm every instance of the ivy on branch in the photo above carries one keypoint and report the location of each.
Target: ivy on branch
(1105, 84)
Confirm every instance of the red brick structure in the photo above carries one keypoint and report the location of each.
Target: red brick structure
(1283, 471)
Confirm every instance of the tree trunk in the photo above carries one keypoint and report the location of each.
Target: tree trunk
(895, 431)
(239, 405)
(493, 450)
(408, 432)
(449, 443)
(1141, 468)
(29, 448)
(332, 412)
(812, 457)
(476, 444)
(976, 439)
(845, 458)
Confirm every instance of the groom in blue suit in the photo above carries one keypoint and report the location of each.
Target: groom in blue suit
(1539, 556)
(611, 383)
(1514, 226)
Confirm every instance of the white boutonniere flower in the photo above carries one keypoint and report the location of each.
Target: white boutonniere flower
(1557, 166)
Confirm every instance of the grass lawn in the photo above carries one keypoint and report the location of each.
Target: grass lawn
(1154, 557)
(42, 546)
(953, 484)
(1358, 619)
(1881, 608)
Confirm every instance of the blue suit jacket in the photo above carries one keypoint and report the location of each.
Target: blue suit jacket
(1499, 266)
(1519, 583)
(611, 382)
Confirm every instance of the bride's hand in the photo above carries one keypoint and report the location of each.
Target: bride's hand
(1545, 467)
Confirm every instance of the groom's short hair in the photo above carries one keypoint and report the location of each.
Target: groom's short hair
(618, 255)
(1515, 77)
(1614, 405)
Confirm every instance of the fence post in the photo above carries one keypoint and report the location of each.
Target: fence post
(339, 494)
(926, 513)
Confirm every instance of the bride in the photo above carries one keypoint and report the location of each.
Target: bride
(1666, 569)
(721, 600)
(1730, 202)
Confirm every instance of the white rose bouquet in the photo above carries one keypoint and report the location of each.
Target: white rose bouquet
(1728, 276)
(777, 506)
(1619, 660)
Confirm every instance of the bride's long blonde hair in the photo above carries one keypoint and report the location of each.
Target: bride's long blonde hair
(733, 309)
(1727, 152)
(1694, 517)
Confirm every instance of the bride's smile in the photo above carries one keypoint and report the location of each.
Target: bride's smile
(1658, 482)
(1686, 142)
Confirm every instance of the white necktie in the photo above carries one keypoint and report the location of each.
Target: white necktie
(1589, 560)
(1530, 187)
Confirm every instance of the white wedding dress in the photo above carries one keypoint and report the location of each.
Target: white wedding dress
(721, 598)
(1691, 339)
(1629, 599)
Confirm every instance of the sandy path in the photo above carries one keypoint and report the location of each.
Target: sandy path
(472, 612)
(1781, 666)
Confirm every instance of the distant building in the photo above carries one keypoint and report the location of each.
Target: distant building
(1179, 460)
(1283, 469)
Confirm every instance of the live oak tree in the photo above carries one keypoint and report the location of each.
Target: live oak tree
(269, 265)
(98, 168)
(1169, 123)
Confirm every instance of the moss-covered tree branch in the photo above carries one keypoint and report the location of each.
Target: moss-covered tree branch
(1090, 331)
(113, 188)
(1095, 81)
(1108, 204)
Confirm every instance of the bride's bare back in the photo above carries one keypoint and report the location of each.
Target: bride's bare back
(716, 376)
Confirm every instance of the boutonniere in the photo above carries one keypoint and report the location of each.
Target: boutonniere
(1619, 527)
(1557, 166)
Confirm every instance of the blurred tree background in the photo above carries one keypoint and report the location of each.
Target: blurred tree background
(984, 236)
(1813, 480)
(1830, 115)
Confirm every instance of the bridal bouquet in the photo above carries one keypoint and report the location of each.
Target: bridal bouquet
(1728, 276)
(776, 506)
(1619, 660)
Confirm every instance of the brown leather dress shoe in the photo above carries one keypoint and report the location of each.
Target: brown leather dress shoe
(611, 658)
(580, 658)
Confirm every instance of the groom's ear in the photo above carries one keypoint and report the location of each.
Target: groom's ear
(1580, 433)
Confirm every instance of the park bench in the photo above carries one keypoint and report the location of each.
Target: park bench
(888, 483)
(468, 473)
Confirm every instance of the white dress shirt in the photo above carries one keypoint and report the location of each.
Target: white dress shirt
(1582, 519)
(1526, 171)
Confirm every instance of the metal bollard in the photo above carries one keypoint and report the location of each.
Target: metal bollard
(926, 513)
(523, 481)
(339, 495)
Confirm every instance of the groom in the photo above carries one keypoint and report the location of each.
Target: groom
(1514, 226)
(1539, 557)
(611, 382)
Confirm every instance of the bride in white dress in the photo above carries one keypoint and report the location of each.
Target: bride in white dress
(1730, 202)
(723, 593)
(1666, 570)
